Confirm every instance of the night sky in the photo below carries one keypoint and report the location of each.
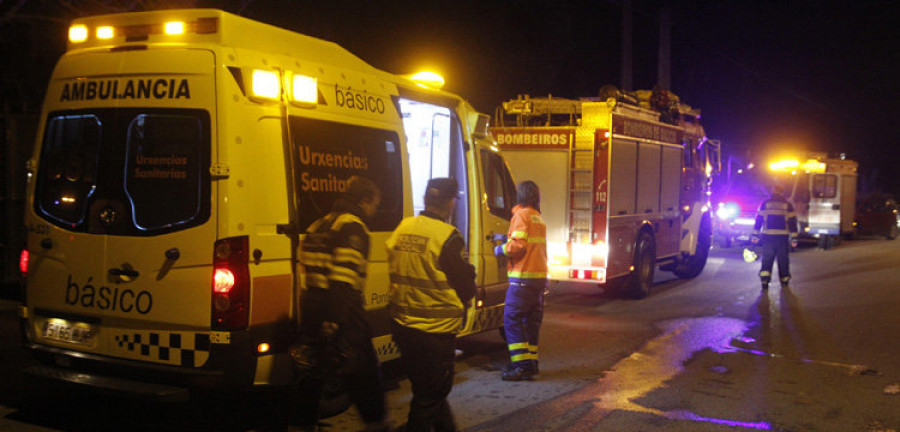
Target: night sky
(769, 76)
(785, 75)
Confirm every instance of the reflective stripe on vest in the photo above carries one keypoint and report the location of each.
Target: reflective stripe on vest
(421, 297)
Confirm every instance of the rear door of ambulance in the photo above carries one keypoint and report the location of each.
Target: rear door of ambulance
(122, 223)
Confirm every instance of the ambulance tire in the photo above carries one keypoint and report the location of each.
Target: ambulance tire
(335, 399)
(693, 265)
(640, 281)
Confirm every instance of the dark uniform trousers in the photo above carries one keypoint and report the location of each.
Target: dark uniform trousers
(428, 359)
(775, 246)
(524, 310)
(363, 386)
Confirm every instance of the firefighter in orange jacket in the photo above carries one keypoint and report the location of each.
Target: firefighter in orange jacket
(526, 250)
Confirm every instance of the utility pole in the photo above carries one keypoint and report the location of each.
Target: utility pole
(627, 73)
(664, 68)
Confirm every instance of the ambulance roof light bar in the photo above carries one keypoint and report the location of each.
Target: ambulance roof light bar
(793, 165)
(79, 33)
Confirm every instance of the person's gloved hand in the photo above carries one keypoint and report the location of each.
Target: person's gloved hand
(498, 250)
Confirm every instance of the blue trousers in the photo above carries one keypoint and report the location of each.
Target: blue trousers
(522, 317)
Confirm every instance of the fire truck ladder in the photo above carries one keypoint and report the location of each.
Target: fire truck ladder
(581, 184)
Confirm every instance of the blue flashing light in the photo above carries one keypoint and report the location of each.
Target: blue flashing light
(728, 211)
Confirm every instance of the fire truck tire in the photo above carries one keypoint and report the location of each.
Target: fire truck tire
(640, 281)
(693, 265)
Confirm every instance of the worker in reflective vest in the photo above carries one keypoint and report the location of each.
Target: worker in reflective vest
(432, 283)
(776, 231)
(333, 334)
(526, 250)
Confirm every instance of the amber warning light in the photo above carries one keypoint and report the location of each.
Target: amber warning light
(79, 33)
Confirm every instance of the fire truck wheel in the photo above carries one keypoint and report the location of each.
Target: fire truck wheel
(641, 278)
(693, 265)
(892, 232)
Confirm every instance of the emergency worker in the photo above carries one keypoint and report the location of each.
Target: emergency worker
(526, 251)
(775, 231)
(334, 335)
(432, 283)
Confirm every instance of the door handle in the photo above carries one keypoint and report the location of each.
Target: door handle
(123, 272)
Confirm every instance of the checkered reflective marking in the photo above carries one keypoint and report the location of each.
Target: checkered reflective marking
(187, 349)
(386, 348)
(485, 319)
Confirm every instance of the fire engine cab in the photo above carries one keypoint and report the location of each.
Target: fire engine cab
(624, 183)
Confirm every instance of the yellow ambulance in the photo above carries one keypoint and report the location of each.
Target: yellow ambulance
(180, 157)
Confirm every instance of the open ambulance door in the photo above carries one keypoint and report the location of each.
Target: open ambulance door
(498, 196)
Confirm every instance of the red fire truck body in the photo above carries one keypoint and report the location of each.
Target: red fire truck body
(622, 191)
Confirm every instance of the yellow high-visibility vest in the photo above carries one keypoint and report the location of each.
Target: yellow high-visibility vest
(421, 297)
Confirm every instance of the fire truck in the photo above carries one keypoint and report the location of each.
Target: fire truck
(823, 192)
(624, 183)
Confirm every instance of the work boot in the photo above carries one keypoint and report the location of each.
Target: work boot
(514, 372)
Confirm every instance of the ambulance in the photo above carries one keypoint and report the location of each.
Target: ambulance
(823, 192)
(181, 156)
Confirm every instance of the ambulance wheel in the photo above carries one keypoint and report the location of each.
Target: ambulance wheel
(641, 279)
(335, 399)
(693, 265)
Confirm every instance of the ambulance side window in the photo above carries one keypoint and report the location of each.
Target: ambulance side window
(498, 185)
(328, 153)
(68, 172)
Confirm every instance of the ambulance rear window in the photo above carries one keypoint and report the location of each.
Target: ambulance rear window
(69, 166)
(824, 186)
(134, 171)
(164, 155)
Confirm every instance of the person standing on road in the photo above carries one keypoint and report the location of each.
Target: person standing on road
(775, 231)
(333, 330)
(432, 283)
(526, 250)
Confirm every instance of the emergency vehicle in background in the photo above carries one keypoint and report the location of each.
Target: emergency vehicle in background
(182, 154)
(823, 192)
(624, 186)
(736, 197)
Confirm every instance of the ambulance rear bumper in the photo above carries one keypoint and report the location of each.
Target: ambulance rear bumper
(112, 386)
(129, 378)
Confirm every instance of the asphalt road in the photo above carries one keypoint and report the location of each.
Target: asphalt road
(710, 354)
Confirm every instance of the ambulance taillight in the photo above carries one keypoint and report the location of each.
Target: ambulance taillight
(23, 262)
(231, 284)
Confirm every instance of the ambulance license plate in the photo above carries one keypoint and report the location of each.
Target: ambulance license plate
(71, 332)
